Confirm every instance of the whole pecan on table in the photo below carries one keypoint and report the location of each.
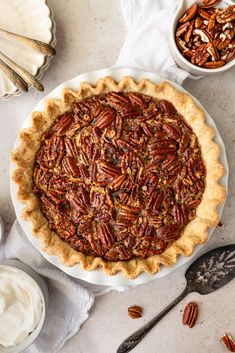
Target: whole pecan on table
(135, 311)
(229, 342)
(190, 314)
(205, 35)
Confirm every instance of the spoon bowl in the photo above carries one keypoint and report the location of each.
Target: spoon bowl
(212, 270)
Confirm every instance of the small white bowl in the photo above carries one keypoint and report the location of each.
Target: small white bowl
(178, 57)
(40, 283)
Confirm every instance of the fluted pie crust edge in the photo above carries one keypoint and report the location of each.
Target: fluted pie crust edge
(195, 232)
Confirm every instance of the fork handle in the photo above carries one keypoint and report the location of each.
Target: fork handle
(136, 337)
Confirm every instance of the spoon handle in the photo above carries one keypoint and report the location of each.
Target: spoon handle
(25, 75)
(37, 45)
(14, 77)
(136, 337)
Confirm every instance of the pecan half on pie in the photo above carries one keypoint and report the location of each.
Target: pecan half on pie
(121, 175)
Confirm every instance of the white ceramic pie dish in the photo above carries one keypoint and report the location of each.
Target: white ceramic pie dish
(98, 276)
(178, 57)
(31, 18)
(39, 282)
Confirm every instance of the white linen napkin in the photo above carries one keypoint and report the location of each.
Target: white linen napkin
(69, 299)
(146, 46)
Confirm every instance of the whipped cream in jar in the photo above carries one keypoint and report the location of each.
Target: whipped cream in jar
(21, 305)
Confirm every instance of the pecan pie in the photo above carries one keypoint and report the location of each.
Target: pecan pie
(122, 175)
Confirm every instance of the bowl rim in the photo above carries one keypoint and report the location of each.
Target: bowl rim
(39, 282)
(201, 70)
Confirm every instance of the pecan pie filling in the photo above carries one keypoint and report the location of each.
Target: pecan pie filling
(119, 176)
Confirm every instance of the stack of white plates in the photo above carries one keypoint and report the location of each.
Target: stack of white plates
(30, 18)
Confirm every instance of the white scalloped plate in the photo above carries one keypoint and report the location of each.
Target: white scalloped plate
(31, 18)
(98, 276)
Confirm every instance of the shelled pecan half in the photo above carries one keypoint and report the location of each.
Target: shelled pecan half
(135, 312)
(229, 342)
(190, 314)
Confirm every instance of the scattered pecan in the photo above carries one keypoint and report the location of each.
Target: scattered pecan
(190, 314)
(229, 342)
(208, 25)
(135, 312)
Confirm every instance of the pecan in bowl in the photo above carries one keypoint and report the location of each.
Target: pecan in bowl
(204, 35)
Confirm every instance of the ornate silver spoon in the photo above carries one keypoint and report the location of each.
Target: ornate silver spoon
(25, 75)
(208, 273)
(37, 45)
(14, 77)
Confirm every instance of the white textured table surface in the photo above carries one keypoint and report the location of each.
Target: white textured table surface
(90, 35)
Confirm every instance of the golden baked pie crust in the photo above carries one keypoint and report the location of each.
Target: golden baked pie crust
(195, 232)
